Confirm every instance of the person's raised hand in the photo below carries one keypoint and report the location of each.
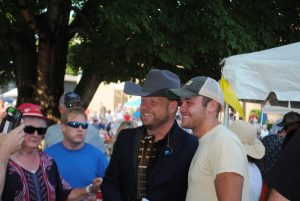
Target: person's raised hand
(2, 116)
(11, 141)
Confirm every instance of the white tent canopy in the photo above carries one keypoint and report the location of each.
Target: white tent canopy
(254, 76)
(278, 109)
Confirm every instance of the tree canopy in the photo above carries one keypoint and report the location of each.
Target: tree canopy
(122, 40)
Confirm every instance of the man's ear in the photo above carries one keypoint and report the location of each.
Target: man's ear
(62, 126)
(212, 106)
(173, 106)
(61, 109)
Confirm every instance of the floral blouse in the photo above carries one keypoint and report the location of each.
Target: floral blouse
(45, 184)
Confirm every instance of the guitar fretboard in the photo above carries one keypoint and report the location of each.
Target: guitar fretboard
(145, 154)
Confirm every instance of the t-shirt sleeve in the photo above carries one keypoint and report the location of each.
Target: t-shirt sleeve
(229, 156)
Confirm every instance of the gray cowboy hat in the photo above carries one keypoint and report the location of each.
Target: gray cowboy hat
(156, 83)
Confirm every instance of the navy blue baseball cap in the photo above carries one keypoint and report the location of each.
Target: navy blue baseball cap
(70, 100)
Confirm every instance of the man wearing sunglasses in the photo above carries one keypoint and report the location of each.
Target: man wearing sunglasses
(78, 162)
(33, 175)
(54, 132)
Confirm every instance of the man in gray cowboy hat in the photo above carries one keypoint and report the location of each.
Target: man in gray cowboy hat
(151, 162)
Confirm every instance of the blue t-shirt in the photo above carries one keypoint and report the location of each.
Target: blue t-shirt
(78, 167)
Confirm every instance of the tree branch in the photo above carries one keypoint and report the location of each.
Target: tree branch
(82, 21)
(79, 23)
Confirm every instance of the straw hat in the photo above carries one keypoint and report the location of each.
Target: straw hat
(247, 134)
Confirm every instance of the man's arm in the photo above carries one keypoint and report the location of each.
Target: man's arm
(79, 194)
(229, 186)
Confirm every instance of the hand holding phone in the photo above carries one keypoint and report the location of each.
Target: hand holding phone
(12, 142)
(11, 121)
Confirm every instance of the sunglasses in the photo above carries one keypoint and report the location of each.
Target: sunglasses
(75, 124)
(73, 105)
(32, 129)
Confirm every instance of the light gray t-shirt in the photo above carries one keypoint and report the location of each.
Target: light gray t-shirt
(219, 151)
(54, 135)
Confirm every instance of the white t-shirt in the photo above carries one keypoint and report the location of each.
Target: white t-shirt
(219, 151)
(255, 182)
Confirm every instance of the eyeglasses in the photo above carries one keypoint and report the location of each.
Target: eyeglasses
(32, 129)
(73, 105)
(75, 124)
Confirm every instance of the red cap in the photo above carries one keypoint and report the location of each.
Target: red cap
(31, 110)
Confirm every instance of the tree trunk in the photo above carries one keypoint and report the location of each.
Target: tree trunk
(41, 59)
(23, 47)
(40, 76)
(88, 85)
(52, 57)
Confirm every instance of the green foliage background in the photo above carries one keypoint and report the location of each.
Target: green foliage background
(121, 40)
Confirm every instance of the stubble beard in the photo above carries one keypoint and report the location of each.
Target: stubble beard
(154, 123)
(186, 123)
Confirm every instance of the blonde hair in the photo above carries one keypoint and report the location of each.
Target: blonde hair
(72, 112)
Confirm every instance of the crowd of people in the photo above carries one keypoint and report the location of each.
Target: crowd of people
(31, 174)
(154, 159)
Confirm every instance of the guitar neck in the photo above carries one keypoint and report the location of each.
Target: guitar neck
(145, 154)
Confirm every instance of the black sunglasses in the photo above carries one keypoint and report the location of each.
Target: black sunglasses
(73, 105)
(32, 129)
(75, 124)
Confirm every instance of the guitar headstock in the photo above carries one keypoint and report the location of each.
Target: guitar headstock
(145, 150)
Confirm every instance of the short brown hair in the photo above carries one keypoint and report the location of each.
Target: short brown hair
(206, 100)
(70, 112)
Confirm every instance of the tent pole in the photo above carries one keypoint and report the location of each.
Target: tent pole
(226, 115)
(244, 108)
(261, 114)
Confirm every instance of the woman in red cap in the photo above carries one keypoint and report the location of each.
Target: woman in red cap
(33, 175)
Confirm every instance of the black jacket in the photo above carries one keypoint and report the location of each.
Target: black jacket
(168, 178)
